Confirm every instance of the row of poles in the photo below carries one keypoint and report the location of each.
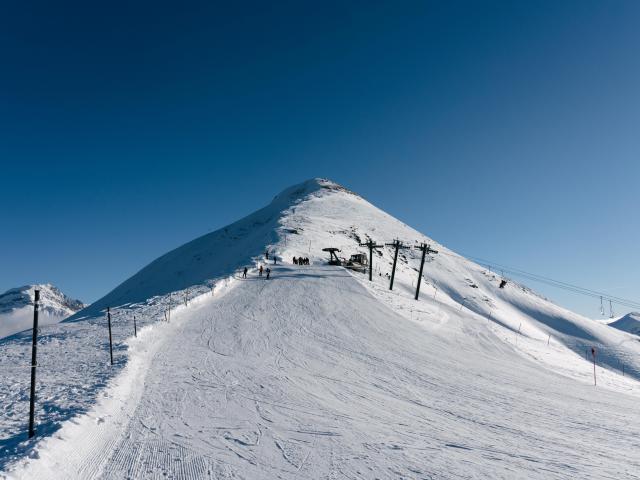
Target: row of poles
(34, 356)
(34, 348)
(426, 249)
(398, 245)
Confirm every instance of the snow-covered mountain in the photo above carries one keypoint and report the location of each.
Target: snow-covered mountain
(628, 323)
(319, 372)
(319, 213)
(16, 307)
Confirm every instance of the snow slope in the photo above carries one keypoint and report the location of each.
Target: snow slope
(16, 307)
(308, 375)
(318, 373)
(628, 323)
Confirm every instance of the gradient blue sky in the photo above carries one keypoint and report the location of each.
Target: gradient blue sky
(506, 130)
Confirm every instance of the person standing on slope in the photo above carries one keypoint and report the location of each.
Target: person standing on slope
(268, 273)
(244, 274)
(260, 270)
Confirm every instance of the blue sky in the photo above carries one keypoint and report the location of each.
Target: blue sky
(505, 130)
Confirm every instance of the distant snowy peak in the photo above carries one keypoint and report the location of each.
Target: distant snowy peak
(629, 323)
(52, 300)
(16, 307)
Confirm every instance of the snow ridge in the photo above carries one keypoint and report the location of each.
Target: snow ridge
(628, 323)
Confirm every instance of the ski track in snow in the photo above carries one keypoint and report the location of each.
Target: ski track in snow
(321, 382)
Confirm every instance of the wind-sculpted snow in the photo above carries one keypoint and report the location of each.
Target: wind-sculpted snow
(318, 373)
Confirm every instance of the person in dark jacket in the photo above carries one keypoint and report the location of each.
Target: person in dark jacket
(244, 274)
(268, 273)
(260, 271)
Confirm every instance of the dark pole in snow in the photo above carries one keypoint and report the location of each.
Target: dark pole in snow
(34, 351)
(110, 341)
(425, 249)
(398, 245)
(371, 244)
(135, 327)
(593, 352)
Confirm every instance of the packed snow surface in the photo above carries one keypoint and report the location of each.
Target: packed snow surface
(16, 307)
(319, 373)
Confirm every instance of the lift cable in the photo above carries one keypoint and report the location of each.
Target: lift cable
(558, 283)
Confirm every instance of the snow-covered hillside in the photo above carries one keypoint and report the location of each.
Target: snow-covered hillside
(628, 323)
(16, 307)
(319, 213)
(319, 373)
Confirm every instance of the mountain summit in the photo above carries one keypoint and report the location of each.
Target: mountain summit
(319, 213)
(222, 252)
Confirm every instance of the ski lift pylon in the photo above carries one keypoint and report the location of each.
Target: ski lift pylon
(333, 258)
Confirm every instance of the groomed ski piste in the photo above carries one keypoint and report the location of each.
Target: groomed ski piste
(319, 373)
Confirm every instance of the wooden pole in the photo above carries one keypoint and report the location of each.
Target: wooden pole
(593, 353)
(34, 363)
(110, 339)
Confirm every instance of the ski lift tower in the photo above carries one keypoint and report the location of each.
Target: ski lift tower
(333, 258)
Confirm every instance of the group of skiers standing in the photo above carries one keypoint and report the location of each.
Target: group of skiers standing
(267, 271)
(261, 270)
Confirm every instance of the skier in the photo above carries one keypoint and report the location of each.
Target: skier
(275, 259)
(266, 254)
(260, 270)
(295, 261)
(244, 274)
(268, 273)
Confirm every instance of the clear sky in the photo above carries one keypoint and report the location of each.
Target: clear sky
(505, 130)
